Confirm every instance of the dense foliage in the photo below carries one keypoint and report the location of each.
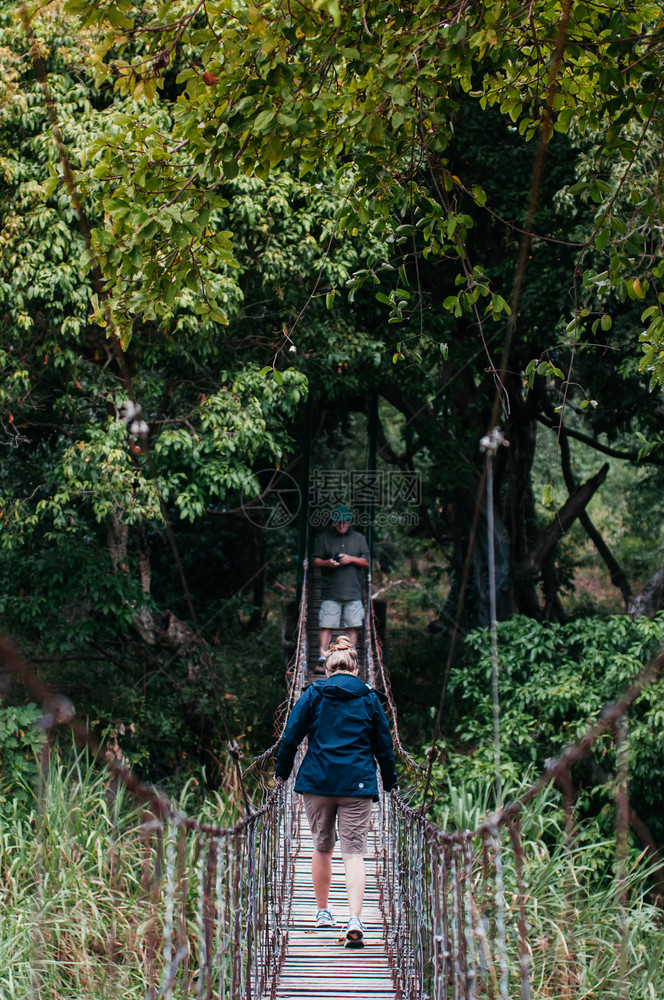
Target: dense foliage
(212, 213)
(554, 682)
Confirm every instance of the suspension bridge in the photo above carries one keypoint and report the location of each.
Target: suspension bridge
(228, 912)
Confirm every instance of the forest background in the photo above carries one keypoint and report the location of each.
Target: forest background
(237, 239)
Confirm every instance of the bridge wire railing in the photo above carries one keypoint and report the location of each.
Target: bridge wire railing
(215, 901)
(378, 677)
(456, 906)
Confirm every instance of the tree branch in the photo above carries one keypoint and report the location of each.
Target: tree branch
(626, 456)
(530, 567)
(618, 575)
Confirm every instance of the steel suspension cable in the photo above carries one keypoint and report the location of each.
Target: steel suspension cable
(538, 170)
(490, 445)
(375, 652)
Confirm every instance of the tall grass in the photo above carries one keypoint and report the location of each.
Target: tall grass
(594, 928)
(591, 936)
(73, 909)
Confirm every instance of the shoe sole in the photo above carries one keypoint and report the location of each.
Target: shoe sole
(354, 943)
(355, 940)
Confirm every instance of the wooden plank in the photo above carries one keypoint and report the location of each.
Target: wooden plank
(303, 962)
(325, 979)
(322, 993)
(321, 988)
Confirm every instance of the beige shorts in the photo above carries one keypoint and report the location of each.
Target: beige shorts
(350, 813)
(336, 614)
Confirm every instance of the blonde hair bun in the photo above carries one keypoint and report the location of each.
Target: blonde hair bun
(341, 655)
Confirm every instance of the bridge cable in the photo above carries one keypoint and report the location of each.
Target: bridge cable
(538, 170)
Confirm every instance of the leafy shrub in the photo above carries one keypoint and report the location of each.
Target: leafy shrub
(20, 742)
(554, 680)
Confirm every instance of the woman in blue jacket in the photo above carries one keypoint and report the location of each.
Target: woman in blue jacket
(347, 732)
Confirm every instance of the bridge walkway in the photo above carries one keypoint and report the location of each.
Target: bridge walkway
(317, 966)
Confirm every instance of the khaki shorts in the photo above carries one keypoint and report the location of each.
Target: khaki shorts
(334, 614)
(351, 813)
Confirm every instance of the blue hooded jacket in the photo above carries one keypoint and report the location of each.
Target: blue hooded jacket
(347, 732)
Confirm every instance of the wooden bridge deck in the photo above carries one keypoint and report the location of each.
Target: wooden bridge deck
(317, 966)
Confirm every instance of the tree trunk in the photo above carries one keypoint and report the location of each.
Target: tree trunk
(517, 461)
(117, 533)
(144, 567)
(618, 575)
(529, 571)
(651, 598)
(475, 611)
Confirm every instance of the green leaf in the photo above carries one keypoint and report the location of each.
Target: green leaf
(264, 119)
(602, 239)
(118, 19)
(479, 195)
(231, 169)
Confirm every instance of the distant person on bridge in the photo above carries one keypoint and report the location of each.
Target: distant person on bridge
(347, 731)
(342, 556)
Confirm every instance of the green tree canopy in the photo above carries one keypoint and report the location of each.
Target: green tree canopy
(212, 210)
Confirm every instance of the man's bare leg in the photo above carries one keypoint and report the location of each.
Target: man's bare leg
(352, 635)
(324, 640)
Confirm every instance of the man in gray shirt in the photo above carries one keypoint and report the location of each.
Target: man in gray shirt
(342, 556)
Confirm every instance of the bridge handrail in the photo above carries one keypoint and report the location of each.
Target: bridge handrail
(378, 677)
(449, 930)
